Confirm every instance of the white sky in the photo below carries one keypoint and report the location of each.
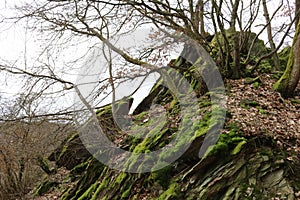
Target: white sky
(18, 44)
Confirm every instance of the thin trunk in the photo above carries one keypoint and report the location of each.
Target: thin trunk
(270, 35)
(201, 16)
(236, 41)
(221, 38)
(198, 19)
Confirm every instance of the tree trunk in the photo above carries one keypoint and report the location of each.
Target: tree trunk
(289, 80)
(236, 42)
(270, 35)
(297, 2)
(201, 16)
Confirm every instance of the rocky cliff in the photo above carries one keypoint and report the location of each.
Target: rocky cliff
(256, 155)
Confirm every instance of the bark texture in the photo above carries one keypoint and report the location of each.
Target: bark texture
(290, 79)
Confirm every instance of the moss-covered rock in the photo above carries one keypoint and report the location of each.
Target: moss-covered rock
(250, 51)
(283, 56)
(247, 38)
(70, 153)
(45, 187)
(235, 167)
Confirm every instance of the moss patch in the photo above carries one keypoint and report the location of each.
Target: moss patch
(171, 193)
(89, 192)
(45, 187)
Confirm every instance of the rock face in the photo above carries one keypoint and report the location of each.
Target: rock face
(70, 154)
(235, 168)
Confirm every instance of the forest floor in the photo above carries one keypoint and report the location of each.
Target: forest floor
(258, 110)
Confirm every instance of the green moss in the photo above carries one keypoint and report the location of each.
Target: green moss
(238, 147)
(142, 147)
(252, 80)
(104, 110)
(66, 194)
(283, 56)
(126, 193)
(231, 141)
(140, 116)
(158, 84)
(152, 139)
(88, 181)
(246, 103)
(120, 178)
(89, 192)
(163, 175)
(204, 103)
(189, 130)
(295, 101)
(195, 86)
(103, 185)
(219, 147)
(256, 85)
(201, 131)
(265, 67)
(262, 111)
(233, 127)
(237, 139)
(131, 162)
(45, 187)
(173, 103)
(282, 85)
(80, 168)
(181, 142)
(171, 193)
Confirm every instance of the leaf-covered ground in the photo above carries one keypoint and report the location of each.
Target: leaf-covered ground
(260, 110)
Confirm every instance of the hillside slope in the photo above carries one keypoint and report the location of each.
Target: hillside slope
(257, 155)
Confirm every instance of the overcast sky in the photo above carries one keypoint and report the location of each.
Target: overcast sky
(20, 45)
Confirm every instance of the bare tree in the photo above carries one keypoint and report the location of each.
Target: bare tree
(236, 39)
(23, 141)
(270, 34)
(101, 20)
(62, 22)
(65, 22)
